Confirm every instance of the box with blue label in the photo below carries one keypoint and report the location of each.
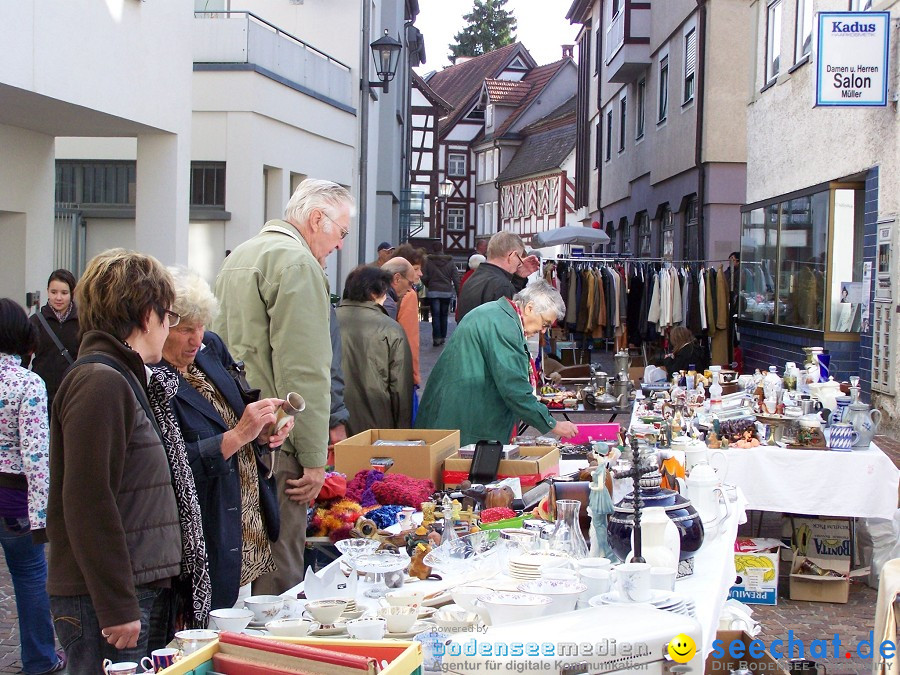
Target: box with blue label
(756, 564)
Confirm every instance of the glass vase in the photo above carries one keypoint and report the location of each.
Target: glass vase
(567, 536)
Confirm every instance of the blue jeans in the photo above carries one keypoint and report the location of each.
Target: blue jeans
(28, 569)
(440, 310)
(79, 629)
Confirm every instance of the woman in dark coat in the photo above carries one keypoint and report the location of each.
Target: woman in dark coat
(61, 318)
(224, 441)
(685, 352)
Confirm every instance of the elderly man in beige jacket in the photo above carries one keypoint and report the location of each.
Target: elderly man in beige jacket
(274, 317)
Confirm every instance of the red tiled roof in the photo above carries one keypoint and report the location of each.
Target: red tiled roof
(537, 79)
(461, 83)
(506, 92)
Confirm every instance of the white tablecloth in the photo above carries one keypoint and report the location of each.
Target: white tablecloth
(861, 483)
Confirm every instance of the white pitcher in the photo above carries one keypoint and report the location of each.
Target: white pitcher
(704, 489)
(698, 453)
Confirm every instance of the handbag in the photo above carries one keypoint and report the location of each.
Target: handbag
(238, 373)
(59, 345)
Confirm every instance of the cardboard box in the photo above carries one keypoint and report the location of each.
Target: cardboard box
(354, 454)
(726, 662)
(756, 564)
(535, 463)
(826, 543)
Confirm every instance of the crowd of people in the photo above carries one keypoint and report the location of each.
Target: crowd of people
(141, 441)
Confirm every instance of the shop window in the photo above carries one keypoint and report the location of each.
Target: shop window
(456, 164)
(773, 41)
(667, 238)
(644, 235)
(456, 219)
(790, 275)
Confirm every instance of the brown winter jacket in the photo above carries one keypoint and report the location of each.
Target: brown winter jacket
(112, 519)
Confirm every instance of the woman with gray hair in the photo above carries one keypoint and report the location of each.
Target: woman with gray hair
(224, 438)
(485, 382)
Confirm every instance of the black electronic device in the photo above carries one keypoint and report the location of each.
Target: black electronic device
(485, 462)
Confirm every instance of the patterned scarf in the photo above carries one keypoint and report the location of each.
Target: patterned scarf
(62, 316)
(194, 572)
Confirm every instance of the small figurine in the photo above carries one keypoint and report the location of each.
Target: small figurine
(417, 566)
(427, 513)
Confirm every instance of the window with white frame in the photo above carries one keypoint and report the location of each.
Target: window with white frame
(804, 29)
(622, 117)
(860, 5)
(616, 7)
(479, 164)
(609, 139)
(456, 164)
(456, 218)
(663, 89)
(489, 115)
(644, 234)
(626, 236)
(690, 64)
(639, 111)
(489, 168)
(667, 232)
(479, 225)
(773, 40)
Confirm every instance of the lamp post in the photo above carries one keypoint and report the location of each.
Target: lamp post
(386, 52)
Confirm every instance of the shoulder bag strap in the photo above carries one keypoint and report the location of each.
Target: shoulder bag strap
(139, 393)
(59, 345)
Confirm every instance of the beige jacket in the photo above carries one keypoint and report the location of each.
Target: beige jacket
(274, 316)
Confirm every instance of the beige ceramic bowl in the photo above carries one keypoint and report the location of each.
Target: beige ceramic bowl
(327, 611)
(291, 627)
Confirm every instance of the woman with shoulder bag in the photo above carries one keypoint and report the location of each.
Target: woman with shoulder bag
(58, 338)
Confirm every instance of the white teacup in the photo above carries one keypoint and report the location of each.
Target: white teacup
(291, 627)
(326, 612)
(663, 578)
(264, 607)
(190, 641)
(371, 628)
(597, 581)
(593, 563)
(399, 619)
(121, 668)
(405, 598)
(231, 619)
(632, 581)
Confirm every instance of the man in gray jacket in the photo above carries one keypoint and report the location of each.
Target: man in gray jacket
(274, 317)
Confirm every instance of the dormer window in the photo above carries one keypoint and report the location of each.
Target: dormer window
(476, 113)
(489, 115)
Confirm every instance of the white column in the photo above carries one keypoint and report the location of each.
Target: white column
(163, 200)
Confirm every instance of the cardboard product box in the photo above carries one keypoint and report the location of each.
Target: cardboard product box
(825, 544)
(424, 461)
(756, 564)
(535, 463)
(720, 660)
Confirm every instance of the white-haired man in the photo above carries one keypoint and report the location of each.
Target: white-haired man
(403, 278)
(274, 317)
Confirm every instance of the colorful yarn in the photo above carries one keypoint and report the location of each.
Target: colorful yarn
(384, 516)
(334, 519)
(360, 488)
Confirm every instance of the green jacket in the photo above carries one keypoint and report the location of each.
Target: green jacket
(274, 316)
(377, 366)
(480, 384)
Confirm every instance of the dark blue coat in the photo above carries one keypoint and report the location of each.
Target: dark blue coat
(217, 479)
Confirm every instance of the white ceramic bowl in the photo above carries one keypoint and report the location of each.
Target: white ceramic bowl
(264, 607)
(564, 593)
(405, 598)
(455, 618)
(505, 607)
(190, 641)
(370, 628)
(399, 619)
(231, 618)
(291, 627)
(326, 612)
(465, 596)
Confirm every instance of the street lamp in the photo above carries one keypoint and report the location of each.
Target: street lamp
(444, 190)
(386, 52)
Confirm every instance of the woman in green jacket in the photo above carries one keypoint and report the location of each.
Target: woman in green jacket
(483, 382)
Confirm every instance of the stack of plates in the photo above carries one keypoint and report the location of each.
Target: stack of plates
(527, 566)
(352, 611)
(664, 600)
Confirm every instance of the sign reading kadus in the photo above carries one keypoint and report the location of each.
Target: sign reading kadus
(852, 59)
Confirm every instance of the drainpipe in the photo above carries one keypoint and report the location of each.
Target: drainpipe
(698, 141)
(362, 203)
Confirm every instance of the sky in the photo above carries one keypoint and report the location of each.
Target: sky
(542, 28)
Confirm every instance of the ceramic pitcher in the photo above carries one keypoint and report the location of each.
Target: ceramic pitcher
(865, 421)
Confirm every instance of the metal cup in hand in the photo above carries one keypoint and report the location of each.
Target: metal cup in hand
(293, 405)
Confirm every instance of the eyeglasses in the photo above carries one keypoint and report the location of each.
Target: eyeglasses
(344, 232)
(547, 325)
(519, 256)
(174, 318)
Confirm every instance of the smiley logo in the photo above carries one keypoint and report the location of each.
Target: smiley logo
(682, 648)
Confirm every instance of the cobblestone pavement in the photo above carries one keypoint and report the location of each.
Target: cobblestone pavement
(809, 620)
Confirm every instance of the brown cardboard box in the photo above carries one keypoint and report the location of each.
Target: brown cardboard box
(354, 454)
(534, 464)
(726, 663)
(826, 542)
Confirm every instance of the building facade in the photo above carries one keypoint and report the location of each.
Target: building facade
(661, 123)
(820, 208)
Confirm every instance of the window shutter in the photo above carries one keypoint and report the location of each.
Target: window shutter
(690, 52)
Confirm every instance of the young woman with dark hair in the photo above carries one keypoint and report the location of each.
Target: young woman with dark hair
(60, 320)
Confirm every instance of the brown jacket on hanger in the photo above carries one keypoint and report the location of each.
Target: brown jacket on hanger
(599, 306)
(719, 347)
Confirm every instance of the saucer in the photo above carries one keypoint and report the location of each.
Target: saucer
(426, 612)
(441, 599)
(417, 627)
(338, 628)
(613, 598)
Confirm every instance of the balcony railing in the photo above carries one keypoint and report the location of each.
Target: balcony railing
(615, 35)
(242, 37)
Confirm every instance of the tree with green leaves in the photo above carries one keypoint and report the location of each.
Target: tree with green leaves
(488, 27)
